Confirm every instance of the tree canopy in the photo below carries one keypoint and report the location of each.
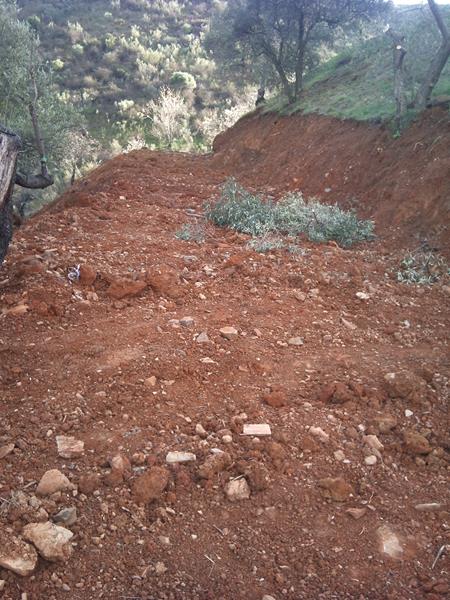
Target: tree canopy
(282, 35)
(28, 96)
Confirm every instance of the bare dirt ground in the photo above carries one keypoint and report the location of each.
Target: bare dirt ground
(101, 312)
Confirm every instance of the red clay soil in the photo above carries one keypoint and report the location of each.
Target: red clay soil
(101, 307)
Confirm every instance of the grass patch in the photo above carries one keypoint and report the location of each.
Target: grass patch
(259, 216)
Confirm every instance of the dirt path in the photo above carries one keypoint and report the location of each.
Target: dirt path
(128, 377)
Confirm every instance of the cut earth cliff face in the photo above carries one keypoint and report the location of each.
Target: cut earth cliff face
(403, 183)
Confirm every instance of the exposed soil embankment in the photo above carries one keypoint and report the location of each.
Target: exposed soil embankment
(195, 421)
(403, 182)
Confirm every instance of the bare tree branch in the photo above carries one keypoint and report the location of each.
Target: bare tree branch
(39, 181)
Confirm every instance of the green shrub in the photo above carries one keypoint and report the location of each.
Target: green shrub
(192, 232)
(256, 215)
(241, 210)
(58, 64)
(183, 80)
(266, 243)
(422, 268)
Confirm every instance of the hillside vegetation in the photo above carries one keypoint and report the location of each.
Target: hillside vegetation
(113, 56)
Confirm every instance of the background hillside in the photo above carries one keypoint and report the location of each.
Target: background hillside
(113, 56)
(112, 59)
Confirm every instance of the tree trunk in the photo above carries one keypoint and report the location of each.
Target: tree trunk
(9, 150)
(302, 40)
(300, 66)
(399, 54)
(438, 63)
(432, 76)
(288, 89)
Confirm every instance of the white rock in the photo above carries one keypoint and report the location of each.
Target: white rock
(296, 341)
(227, 439)
(150, 382)
(430, 507)
(229, 332)
(319, 433)
(51, 541)
(202, 338)
(237, 489)
(390, 544)
(69, 447)
(2, 585)
(339, 455)
(408, 413)
(362, 295)
(266, 597)
(180, 457)
(257, 429)
(53, 481)
(373, 442)
(348, 324)
(371, 460)
(200, 430)
(300, 296)
(17, 556)
(164, 540)
(160, 568)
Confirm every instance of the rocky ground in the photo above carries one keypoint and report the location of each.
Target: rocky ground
(185, 420)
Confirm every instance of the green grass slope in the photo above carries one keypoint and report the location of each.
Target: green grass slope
(358, 82)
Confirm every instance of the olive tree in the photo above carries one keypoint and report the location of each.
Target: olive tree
(282, 33)
(438, 62)
(34, 120)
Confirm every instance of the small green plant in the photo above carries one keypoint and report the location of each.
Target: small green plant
(265, 243)
(241, 210)
(422, 268)
(258, 216)
(192, 232)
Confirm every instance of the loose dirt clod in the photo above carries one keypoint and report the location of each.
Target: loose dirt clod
(53, 481)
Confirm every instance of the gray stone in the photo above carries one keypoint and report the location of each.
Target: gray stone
(66, 516)
(187, 322)
(202, 338)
